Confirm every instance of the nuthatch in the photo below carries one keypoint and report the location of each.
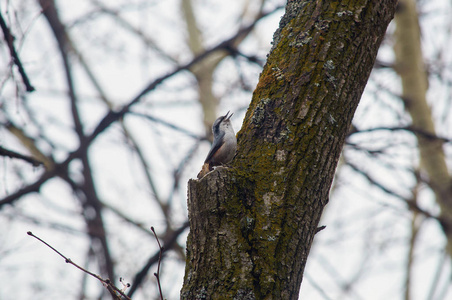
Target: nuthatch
(224, 142)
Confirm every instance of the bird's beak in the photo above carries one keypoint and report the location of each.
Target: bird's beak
(226, 116)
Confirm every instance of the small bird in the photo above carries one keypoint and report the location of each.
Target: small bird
(224, 144)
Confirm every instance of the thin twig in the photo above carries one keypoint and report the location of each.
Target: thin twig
(320, 228)
(107, 283)
(413, 206)
(157, 275)
(125, 286)
(169, 241)
(9, 41)
(168, 124)
(417, 131)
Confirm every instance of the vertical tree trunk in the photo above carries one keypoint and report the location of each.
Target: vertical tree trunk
(252, 225)
(411, 68)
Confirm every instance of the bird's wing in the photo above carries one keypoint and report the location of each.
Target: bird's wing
(217, 143)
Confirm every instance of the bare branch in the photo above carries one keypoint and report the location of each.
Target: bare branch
(12, 154)
(417, 131)
(169, 242)
(9, 39)
(129, 220)
(411, 204)
(50, 12)
(169, 125)
(106, 282)
(157, 275)
(34, 187)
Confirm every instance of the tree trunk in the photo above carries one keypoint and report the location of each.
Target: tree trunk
(252, 225)
(409, 64)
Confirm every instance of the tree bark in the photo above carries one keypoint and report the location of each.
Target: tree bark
(252, 225)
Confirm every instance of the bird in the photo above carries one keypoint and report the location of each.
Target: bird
(224, 144)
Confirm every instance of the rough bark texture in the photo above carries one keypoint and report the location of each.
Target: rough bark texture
(411, 68)
(252, 225)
